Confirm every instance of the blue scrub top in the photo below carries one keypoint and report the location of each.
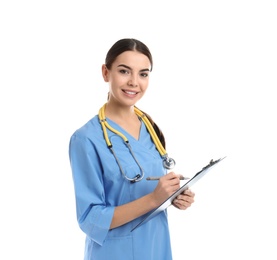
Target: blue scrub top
(100, 187)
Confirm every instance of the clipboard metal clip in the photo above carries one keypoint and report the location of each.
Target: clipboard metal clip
(212, 162)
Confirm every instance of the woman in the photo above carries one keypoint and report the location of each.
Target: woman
(112, 156)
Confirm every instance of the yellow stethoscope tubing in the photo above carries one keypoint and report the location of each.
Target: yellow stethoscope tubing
(152, 132)
(105, 125)
(168, 163)
(150, 128)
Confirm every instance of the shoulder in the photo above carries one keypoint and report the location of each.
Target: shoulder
(89, 130)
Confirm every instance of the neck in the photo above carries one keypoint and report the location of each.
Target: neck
(119, 112)
(126, 118)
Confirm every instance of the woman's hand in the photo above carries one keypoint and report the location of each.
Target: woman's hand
(167, 185)
(184, 200)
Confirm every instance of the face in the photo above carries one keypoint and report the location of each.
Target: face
(128, 77)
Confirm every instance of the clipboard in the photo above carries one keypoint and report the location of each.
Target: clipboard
(187, 185)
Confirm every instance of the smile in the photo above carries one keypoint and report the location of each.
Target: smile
(130, 92)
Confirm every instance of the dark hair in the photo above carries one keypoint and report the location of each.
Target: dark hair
(156, 128)
(127, 44)
(130, 44)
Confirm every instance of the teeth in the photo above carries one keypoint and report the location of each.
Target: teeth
(130, 92)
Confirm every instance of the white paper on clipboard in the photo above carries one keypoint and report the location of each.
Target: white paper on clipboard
(187, 185)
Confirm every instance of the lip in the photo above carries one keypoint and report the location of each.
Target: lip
(130, 92)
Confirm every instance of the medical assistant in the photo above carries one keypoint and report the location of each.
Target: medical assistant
(100, 187)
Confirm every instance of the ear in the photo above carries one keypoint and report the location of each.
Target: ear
(105, 73)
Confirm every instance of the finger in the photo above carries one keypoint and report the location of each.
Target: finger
(170, 175)
(181, 204)
(188, 192)
(185, 198)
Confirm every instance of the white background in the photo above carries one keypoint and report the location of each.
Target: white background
(212, 91)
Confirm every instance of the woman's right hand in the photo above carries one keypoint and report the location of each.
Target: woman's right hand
(167, 185)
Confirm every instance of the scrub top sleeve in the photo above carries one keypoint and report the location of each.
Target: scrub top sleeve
(94, 217)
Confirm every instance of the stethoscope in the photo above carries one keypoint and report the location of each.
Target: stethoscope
(168, 162)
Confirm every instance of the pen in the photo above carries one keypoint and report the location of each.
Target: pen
(157, 178)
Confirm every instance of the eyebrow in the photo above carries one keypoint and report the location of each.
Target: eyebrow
(127, 67)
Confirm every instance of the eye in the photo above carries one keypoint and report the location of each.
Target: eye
(144, 75)
(123, 71)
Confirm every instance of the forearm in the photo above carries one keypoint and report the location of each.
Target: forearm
(167, 185)
(132, 210)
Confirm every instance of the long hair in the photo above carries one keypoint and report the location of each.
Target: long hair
(157, 129)
(131, 44)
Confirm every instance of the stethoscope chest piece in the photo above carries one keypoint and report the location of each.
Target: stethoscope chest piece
(169, 163)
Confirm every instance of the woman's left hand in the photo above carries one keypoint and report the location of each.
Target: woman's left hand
(184, 200)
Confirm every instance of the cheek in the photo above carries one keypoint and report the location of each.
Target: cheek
(143, 82)
(144, 85)
(118, 80)
(115, 84)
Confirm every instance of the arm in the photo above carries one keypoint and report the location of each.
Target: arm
(166, 186)
(95, 217)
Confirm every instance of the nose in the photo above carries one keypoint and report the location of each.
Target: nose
(132, 82)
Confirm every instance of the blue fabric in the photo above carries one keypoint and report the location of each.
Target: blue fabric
(100, 187)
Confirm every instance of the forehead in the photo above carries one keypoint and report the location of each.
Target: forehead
(133, 59)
